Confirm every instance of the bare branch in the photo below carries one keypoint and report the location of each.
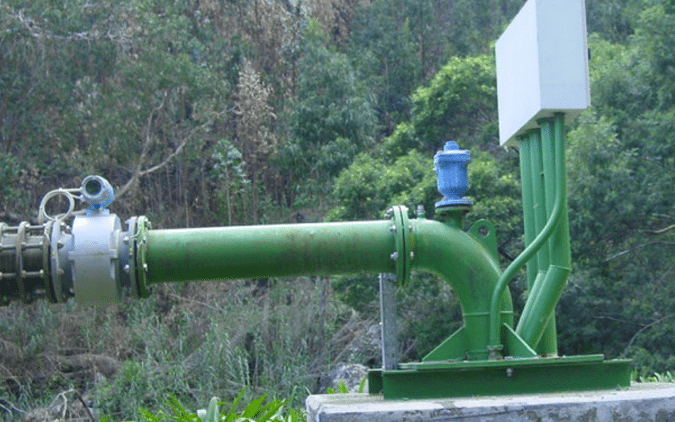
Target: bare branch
(661, 231)
(651, 324)
(144, 150)
(644, 245)
(120, 34)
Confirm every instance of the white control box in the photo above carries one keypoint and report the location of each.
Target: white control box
(542, 66)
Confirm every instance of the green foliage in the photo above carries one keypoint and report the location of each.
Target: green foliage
(369, 186)
(148, 93)
(620, 161)
(332, 117)
(231, 181)
(458, 104)
(655, 377)
(343, 389)
(383, 50)
(254, 411)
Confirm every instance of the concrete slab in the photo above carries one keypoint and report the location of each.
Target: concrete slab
(641, 402)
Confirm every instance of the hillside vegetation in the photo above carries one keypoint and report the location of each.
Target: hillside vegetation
(227, 112)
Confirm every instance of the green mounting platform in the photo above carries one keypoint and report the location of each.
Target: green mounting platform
(444, 379)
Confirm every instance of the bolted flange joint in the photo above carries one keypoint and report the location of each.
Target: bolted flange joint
(403, 253)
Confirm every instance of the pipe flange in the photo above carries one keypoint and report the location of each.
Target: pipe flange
(140, 226)
(402, 256)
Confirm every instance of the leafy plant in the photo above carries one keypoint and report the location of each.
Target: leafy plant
(656, 377)
(255, 411)
(343, 389)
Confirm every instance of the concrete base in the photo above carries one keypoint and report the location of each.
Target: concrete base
(640, 402)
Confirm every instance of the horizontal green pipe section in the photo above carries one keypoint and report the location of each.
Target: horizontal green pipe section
(242, 252)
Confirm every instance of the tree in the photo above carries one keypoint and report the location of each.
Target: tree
(384, 53)
(332, 118)
(254, 136)
(621, 201)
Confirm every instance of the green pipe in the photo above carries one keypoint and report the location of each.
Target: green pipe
(547, 344)
(526, 255)
(539, 189)
(534, 209)
(539, 319)
(543, 177)
(335, 248)
(528, 205)
(561, 238)
(472, 272)
(269, 251)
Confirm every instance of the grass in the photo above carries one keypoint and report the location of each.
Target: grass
(192, 341)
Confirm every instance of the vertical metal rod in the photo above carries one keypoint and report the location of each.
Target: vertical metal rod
(388, 321)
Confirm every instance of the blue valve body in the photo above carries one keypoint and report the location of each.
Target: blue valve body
(453, 180)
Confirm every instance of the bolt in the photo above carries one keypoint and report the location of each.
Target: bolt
(145, 267)
(394, 256)
(125, 240)
(412, 255)
(126, 268)
(509, 372)
(420, 211)
(392, 228)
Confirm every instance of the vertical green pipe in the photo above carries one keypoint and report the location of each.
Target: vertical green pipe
(551, 178)
(539, 190)
(548, 344)
(538, 213)
(528, 205)
(538, 321)
(561, 238)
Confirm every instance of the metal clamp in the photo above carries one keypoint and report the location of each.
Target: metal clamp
(138, 228)
(403, 253)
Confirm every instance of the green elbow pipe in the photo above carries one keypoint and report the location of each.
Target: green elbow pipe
(471, 270)
(335, 248)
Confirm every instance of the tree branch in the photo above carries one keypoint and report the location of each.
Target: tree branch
(651, 324)
(139, 171)
(661, 231)
(644, 245)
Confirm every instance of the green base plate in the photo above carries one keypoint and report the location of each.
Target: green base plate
(443, 379)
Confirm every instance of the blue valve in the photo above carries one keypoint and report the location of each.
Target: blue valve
(453, 180)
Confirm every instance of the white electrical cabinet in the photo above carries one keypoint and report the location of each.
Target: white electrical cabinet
(542, 66)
